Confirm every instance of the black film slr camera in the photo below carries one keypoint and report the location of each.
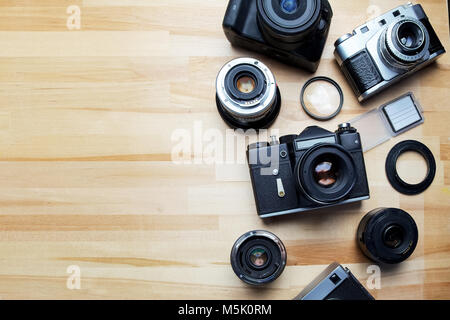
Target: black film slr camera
(292, 31)
(335, 283)
(387, 49)
(315, 169)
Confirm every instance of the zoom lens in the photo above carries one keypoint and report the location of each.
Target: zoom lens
(387, 235)
(405, 43)
(326, 173)
(258, 257)
(247, 94)
(288, 22)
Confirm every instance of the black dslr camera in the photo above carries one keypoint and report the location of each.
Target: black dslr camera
(335, 283)
(315, 169)
(292, 31)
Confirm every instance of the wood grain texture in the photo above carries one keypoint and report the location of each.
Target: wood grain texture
(86, 172)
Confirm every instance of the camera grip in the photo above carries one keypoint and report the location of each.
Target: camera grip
(362, 72)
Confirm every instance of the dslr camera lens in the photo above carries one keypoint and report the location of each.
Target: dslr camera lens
(258, 257)
(387, 235)
(247, 95)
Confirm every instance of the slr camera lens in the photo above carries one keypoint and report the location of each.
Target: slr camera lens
(387, 235)
(285, 23)
(326, 173)
(258, 257)
(247, 94)
(404, 43)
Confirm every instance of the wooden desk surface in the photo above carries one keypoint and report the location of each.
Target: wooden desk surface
(86, 124)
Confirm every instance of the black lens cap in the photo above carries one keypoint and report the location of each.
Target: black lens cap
(387, 235)
(391, 167)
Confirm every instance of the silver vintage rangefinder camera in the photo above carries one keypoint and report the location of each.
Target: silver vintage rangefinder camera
(387, 49)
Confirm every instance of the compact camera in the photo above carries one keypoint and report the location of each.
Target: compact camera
(292, 31)
(315, 169)
(387, 49)
(335, 283)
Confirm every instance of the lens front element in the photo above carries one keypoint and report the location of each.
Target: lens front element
(326, 173)
(289, 6)
(393, 236)
(410, 36)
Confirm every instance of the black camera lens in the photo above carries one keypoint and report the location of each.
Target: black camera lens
(404, 43)
(258, 257)
(288, 22)
(289, 6)
(247, 94)
(387, 235)
(326, 173)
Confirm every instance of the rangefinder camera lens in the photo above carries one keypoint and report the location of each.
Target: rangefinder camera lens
(247, 95)
(387, 235)
(258, 257)
(404, 43)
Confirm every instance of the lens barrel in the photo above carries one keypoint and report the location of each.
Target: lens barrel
(326, 173)
(387, 235)
(287, 22)
(258, 257)
(247, 95)
(405, 43)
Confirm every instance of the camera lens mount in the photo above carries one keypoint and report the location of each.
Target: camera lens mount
(258, 257)
(405, 43)
(387, 235)
(247, 95)
(326, 173)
